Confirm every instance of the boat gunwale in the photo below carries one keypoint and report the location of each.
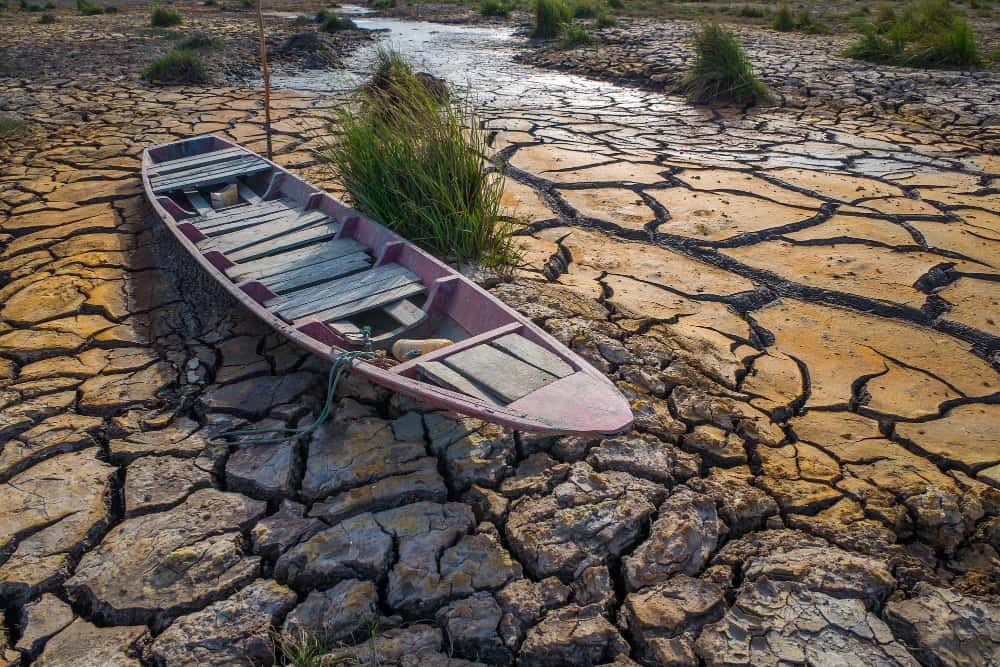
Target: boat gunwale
(437, 396)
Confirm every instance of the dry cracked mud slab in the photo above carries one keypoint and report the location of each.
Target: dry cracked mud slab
(799, 305)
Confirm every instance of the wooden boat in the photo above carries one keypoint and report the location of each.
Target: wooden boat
(322, 274)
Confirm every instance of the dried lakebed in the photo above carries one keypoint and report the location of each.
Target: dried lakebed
(801, 306)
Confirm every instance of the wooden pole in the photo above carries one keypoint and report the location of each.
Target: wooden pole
(267, 77)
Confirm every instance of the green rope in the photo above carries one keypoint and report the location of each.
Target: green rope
(341, 365)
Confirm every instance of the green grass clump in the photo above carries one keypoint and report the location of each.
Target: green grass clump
(550, 15)
(585, 10)
(199, 41)
(110, 9)
(416, 165)
(88, 8)
(494, 8)
(575, 35)
(721, 72)
(30, 6)
(928, 33)
(176, 67)
(164, 17)
(752, 12)
(784, 21)
(46, 19)
(605, 21)
(333, 23)
(10, 125)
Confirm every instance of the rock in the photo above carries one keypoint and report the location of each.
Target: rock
(470, 626)
(644, 456)
(782, 623)
(275, 534)
(267, 471)
(437, 560)
(590, 516)
(651, 414)
(741, 506)
(715, 446)
(181, 438)
(364, 451)
(572, 635)
(51, 512)
(232, 632)
(341, 613)
(253, 398)
(535, 475)
(681, 541)
(30, 345)
(81, 644)
(594, 586)
(664, 619)
(385, 493)
(40, 620)
(697, 407)
(845, 524)
(487, 504)
(154, 483)
(45, 300)
(829, 570)
(945, 628)
(58, 434)
(22, 415)
(474, 452)
(524, 603)
(414, 645)
(112, 393)
(356, 548)
(153, 567)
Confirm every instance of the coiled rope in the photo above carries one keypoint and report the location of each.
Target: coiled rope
(341, 366)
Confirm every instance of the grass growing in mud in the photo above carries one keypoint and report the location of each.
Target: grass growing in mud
(178, 66)
(722, 73)
(928, 33)
(332, 23)
(575, 35)
(415, 162)
(164, 17)
(550, 16)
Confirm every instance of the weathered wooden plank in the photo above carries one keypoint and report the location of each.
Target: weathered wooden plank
(276, 264)
(199, 203)
(405, 312)
(448, 378)
(315, 274)
(339, 286)
(262, 233)
(531, 353)
(250, 221)
(204, 180)
(206, 170)
(361, 305)
(181, 163)
(306, 237)
(233, 214)
(506, 376)
(247, 194)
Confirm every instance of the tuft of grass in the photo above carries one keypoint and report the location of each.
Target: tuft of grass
(616, 4)
(416, 165)
(784, 21)
(575, 35)
(752, 12)
(927, 33)
(333, 23)
(550, 16)
(11, 125)
(585, 10)
(199, 41)
(721, 72)
(47, 19)
(164, 17)
(246, 4)
(494, 8)
(88, 8)
(605, 21)
(178, 66)
(110, 9)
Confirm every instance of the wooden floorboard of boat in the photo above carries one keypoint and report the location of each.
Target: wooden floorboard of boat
(530, 353)
(204, 179)
(236, 213)
(275, 265)
(322, 291)
(449, 378)
(205, 170)
(263, 231)
(181, 163)
(375, 300)
(306, 237)
(506, 376)
(315, 274)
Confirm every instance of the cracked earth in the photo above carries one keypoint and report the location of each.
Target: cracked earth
(801, 304)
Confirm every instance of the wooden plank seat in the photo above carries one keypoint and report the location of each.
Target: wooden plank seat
(499, 371)
(292, 260)
(183, 163)
(239, 212)
(212, 174)
(309, 302)
(239, 235)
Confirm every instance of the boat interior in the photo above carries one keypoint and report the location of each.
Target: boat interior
(342, 279)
